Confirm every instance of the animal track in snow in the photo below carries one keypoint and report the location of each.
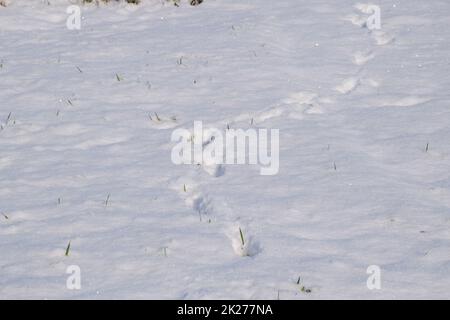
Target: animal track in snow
(348, 85)
(361, 58)
(273, 112)
(201, 204)
(215, 170)
(242, 242)
(382, 38)
(295, 106)
(357, 20)
(195, 199)
(209, 166)
(371, 82)
(304, 103)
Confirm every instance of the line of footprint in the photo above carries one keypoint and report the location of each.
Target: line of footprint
(296, 106)
(211, 211)
(361, 58)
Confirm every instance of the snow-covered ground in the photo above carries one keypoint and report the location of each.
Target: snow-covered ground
(364, 179)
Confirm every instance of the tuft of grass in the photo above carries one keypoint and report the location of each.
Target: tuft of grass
(305, 290)
(8, 119)
(118, 77)
(242, 237)
(427, 147)
(176, 3)
(302, 287)
(107, 200)
(68, 249)
(5, 216)
(155, 118)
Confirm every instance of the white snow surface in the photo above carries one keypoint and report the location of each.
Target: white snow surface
(364, 120)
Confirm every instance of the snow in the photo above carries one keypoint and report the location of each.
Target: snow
(364, 173)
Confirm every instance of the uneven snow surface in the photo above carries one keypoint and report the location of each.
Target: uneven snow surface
(364, 120)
